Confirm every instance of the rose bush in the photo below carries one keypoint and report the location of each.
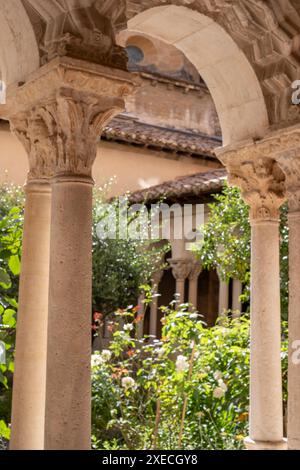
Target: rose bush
(189, 390)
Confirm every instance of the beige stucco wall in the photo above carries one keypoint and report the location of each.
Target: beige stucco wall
(133, 168)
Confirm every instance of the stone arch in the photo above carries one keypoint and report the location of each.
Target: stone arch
(222, 64)
(19, 54)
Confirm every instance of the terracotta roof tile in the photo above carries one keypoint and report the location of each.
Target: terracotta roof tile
(132, 131)
(187, 188)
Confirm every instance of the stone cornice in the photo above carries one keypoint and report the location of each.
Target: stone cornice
(66, 73)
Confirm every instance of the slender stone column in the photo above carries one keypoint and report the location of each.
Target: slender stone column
(154, 304)
(290, 163)
(181, 269)
(29, 386)
(67, 416)
(140, 314)
(293, 425)
(262, 184)
(223, 297)
(29, 383)
(193, 284)
(236, 293)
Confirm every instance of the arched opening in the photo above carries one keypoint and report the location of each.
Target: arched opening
(224, 67)
(19, 55)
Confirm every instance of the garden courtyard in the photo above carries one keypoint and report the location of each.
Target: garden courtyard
(174, 331)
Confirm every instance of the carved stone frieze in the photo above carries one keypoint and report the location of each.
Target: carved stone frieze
(260, 29)
(83, 29)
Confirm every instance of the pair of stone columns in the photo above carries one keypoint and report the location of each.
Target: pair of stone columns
(58, 115)
(181, 269)
(224, 297)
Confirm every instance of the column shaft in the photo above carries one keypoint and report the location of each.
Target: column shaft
(236, 293)
(266, 415)
(68, 400)
(29, 385)
(223, 297)
(193, 292)
(293, 428)
(153, 317)
(180, 288)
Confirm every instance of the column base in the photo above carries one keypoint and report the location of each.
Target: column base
(265, 445)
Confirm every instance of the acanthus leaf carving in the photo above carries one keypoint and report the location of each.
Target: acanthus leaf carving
(261, 181)
(60, 113)
(181, 268)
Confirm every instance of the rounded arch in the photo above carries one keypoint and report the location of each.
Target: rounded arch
(19, 54)
(224, 67)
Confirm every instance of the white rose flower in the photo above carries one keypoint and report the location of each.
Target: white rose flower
(194, 316)
(218, 392)
(160, 352)
(106, 355)
(222, 385)
(218, 375)
(96, 360)
(128, 382)
(182, 364)
(128, 327)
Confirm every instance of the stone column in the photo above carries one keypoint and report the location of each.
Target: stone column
(237, 289)
(193, 283)
(181, 269)
(29, 383)
(290, 163)
(73, 101)
(262, 184)
(154, 303)
(140, 317)
(223, 297)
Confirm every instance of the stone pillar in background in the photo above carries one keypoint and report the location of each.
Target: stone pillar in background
(290, 164)
(29, 384)
(193, 283)
(223, 297)
(263, 187)
(181, 269)
(72, 100)
(237, 290)
(140, 317)
(156, 278)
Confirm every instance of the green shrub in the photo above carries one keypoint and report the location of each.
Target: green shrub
(226, 244)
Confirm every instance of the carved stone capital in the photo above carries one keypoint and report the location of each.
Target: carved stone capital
(38, 143)
(157, 276)
(181, 268)
(257, 173)
(196, 268)
(60, 113)
(289, 162)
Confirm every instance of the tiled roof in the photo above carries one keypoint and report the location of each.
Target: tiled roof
(195, 187)
(129, 130)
